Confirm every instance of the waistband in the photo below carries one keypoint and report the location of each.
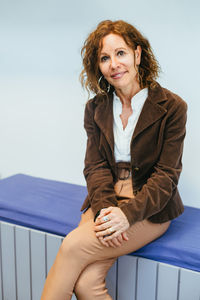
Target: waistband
(123, 170)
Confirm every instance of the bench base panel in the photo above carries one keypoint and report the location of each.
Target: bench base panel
(26, 256)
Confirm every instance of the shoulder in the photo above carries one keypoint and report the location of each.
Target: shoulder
(176, 108)
(166, 99)
(90, 106)
(95, 102)
(97, 99)
(174, 99)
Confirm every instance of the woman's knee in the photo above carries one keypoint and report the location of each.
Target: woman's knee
(70, 244)
(79, 242)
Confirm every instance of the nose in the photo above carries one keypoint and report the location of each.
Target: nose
(114, 62)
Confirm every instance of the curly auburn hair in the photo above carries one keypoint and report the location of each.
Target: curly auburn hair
(90, 76)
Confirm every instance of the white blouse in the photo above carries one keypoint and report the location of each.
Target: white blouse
(122, 137)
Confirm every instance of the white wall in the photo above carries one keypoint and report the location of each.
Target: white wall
(41, 100)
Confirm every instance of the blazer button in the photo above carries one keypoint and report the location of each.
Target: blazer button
(136, 169)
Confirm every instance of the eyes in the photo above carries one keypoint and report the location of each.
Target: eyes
(104, 58)
(120, 53)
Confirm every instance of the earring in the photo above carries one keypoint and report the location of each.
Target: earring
(108, 87)
(100, 79)
(138, 74)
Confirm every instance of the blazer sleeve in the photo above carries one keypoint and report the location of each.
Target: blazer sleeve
(97, 171)
(161, 185)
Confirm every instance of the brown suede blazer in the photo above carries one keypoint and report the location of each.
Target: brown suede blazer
(156, 152)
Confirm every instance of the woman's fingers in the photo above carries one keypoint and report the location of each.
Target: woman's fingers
(103, 226)
(125, 236)
(103, 220)
(120, 239)
(112, 236)
(112, 225)
(106, 244)
(105, 232)
(116, 233)
(116, 242)
(103, 212)
(111, 244)
(110, 228)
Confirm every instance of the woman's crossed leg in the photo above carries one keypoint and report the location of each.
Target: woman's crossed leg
(82, 262)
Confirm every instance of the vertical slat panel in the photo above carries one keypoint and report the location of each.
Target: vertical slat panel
(53, 245)
(167, 287)
(189, 285)
(111, 281)
(38, 263)
(11, 236)
(8, 261)
(1, 280)
(23, 263)
(127, 275)
(147, 279)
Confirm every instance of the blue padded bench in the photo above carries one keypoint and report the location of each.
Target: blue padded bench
(54, 207)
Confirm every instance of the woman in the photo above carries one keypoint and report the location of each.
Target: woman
(135, 134)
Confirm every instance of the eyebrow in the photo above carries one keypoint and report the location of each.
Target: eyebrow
(120, 48)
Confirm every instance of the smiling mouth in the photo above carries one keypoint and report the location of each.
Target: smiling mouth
(117, 75)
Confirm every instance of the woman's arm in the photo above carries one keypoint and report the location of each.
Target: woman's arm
(97, 171)
(162, 183)
(99, 177)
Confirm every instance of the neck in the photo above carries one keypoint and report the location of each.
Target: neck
(127, 94)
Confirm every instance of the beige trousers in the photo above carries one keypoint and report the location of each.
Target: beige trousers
(84, 261)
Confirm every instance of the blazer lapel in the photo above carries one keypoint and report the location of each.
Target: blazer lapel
(151, 112)
(104, 119)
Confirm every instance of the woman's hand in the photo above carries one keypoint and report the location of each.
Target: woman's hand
(110, 226)
(115, 242)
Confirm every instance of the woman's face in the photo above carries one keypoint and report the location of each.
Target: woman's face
(118, 63)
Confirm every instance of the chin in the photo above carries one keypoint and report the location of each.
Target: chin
(120, 86)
